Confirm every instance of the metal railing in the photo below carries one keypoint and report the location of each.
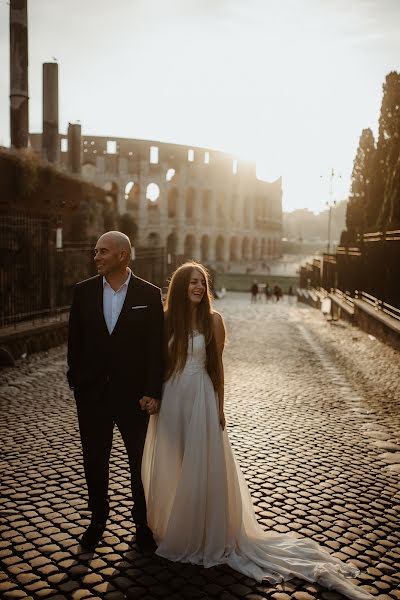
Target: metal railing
(344, 297)
(379, 305)
(19, 321)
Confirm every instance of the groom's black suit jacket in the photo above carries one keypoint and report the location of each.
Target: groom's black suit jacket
(130, 360)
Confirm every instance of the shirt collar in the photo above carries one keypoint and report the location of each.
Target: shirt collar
(125, 284)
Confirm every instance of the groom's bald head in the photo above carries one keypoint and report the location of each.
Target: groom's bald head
(119, 241)
(112, 254)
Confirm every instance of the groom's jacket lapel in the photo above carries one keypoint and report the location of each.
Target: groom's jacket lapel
(128, 302)
(99, 305)
(126, 307)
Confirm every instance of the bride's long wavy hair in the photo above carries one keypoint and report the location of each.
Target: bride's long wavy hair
(178, 323)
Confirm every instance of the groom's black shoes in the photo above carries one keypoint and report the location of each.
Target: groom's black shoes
(93, 534)
(144, 538)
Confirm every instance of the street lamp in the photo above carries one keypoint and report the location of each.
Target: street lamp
(330, 204)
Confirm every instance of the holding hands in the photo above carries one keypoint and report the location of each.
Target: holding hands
(150, 405)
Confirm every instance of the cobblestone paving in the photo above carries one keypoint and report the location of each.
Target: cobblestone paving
(314, 418)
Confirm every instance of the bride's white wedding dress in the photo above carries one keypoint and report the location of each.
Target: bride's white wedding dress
(198, 503)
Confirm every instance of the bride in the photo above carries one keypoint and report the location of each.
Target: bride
(198, 503)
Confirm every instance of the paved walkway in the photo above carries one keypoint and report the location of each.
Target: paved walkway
(314, 418)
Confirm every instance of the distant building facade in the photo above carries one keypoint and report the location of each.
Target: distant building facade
(197, 203)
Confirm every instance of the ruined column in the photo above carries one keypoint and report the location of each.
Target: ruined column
(74, 147)
(50, 138)
(19, 98)
(197, 248)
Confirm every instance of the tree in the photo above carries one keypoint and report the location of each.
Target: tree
(388, 150)
(360, 207)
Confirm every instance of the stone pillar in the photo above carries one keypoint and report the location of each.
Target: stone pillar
(19, 97)
(142, 216)
(180, 244)
(50, 138)
(74, 148)
(197, 216)
(226, 250)
(197, 248)
(252, 211)
(212, 254)
(122, 166)
(213, 216)
(163, 204)
(121, 201)
(180, 207)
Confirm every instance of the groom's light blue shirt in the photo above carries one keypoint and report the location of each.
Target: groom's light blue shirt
(113, 302)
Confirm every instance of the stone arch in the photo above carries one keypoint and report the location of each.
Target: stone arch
(153, 193)
(220, 248)
(246, 211)
(170, 174)
(205, 248)
(172, 202)
(172, 243)
(132, 196)
(189, 247)
(153, 203)
(190, 198)
(206, 207)
(246, 248)
(112, 190)
(234, 208)
(220, 199)
(264, 248)
(234, 249)
(255, 249)
(153, 240)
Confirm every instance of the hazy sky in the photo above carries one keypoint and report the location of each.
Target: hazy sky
(289, 83)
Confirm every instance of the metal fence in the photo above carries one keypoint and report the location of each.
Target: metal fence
(37, 278)
(372, 267)
(26, 267)
(151, 264)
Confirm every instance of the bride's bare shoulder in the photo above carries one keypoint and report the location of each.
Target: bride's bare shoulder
(217, 319)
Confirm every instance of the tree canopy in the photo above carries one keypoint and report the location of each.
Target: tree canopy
(374, 202)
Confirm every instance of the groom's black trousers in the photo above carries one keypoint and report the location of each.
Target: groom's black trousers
(99, 410)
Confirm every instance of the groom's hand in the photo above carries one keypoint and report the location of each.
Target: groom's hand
(151, 405)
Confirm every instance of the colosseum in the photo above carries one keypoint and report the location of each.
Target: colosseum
(195, 202)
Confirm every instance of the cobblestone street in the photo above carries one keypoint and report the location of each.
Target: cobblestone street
(313, 414)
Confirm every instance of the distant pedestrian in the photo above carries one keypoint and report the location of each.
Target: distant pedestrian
(254, 291)
(277, 292)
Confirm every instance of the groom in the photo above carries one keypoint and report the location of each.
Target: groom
(115, 368)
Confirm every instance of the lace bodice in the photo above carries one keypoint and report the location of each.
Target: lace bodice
(196, 356)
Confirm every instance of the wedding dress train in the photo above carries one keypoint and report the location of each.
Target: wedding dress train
(198, 503)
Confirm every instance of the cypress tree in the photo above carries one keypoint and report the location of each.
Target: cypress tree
(388, 151)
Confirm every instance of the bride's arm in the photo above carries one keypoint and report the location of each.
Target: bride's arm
(219, 332)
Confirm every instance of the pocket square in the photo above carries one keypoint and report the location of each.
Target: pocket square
(139, 306)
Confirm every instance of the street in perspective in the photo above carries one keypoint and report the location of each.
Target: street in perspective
(313, 417)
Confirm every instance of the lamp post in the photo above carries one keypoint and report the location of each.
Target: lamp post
(330, 206)
(330, 203)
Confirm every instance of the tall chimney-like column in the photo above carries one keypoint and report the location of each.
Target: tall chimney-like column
(74, 148)
(19, 98)
(50, 137)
